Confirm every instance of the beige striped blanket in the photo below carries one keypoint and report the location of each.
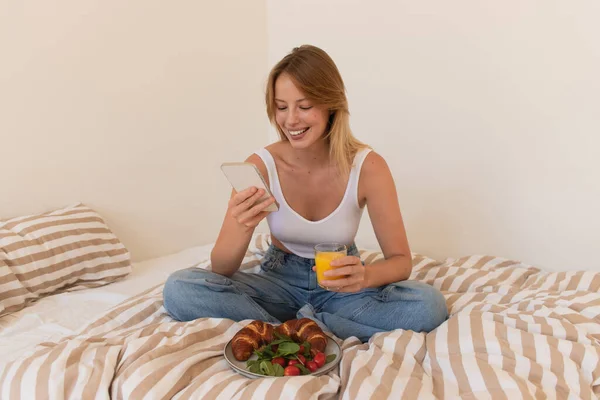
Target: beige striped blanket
(514, 332)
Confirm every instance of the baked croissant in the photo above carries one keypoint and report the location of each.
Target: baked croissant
(304, 330)
(250, 338)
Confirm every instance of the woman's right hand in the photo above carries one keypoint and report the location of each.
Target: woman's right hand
(243, 209)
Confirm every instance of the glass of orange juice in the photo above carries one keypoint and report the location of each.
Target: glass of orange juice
(324, 254)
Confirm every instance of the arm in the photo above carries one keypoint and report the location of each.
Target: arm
(384, 212)
(238, 226)
(377, 188)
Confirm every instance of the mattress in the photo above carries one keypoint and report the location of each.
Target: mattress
(514, 332)
(64, 314)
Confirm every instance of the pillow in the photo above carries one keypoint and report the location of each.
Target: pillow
(62, 250)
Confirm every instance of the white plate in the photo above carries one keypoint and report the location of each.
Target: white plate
(240, 366)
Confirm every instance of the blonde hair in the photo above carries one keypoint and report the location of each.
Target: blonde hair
(316, 75)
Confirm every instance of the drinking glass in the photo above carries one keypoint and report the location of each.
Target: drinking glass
(324, 254)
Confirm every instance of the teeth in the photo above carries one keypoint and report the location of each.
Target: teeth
(296, 133)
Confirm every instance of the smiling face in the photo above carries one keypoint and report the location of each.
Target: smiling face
(301, 121)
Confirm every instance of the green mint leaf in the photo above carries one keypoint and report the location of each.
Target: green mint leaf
(268, 353)
(303, 369)
(282, 336)
(258, 353)
(266, 368)
(278, 341)
(278, 370)
(287, 348)
(254, 368)
(306, 349)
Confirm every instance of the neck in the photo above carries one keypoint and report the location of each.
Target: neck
(316, 155)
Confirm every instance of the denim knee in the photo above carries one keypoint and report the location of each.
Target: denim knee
(426, 303)
(171, 297)
(181, 293)
(433, 301)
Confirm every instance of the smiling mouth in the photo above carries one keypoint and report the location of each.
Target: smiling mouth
(297, 133)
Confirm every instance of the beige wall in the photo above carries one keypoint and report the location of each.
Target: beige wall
(130, 107)
(487, 113)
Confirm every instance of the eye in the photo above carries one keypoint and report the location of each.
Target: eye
(306, 107)
(282, 108)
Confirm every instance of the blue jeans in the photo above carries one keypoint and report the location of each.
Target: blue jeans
(286, 288)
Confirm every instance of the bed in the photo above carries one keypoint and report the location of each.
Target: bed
(514, 332)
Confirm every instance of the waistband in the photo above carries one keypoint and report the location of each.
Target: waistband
(276, 254)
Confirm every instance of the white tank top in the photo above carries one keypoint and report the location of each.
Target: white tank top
(300, 235)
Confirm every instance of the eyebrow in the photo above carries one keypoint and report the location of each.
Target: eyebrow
(297, 101)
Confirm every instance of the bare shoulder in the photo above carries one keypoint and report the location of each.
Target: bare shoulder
(276, 147)
(375, 176)
(374, 164)
(279, 149)
(281, 152)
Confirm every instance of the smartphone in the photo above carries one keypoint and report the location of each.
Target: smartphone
(242, 175)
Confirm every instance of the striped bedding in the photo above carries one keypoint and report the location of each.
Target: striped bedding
(514, 332)
(62, 250)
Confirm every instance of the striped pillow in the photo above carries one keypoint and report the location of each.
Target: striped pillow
(67, 249)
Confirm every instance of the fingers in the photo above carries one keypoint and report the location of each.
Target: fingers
(346, 278)
(338, 283)
(256, 213)
(346, 260)
(243, 200)
(246, 210)
(254, 221)
(342, 286)
(354, 268)
(340, 271)
(345, 289)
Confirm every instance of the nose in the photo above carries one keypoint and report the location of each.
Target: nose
(292, 117)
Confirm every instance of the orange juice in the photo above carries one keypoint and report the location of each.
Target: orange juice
(322, 260)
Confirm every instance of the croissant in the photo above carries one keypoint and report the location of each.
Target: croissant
(304, 330)
(250, 338)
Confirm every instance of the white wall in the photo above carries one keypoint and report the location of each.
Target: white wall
(130, 107)
(487, 113)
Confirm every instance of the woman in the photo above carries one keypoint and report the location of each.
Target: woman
(322, 178)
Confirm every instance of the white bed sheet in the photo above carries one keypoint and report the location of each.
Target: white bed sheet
(64, 314)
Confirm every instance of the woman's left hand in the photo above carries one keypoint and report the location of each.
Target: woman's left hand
(352, 275)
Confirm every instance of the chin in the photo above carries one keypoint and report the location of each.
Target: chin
(301, 144)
